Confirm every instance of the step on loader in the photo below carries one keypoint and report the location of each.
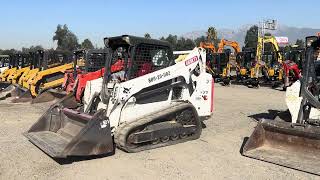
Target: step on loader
(294, 144)
(149, 102)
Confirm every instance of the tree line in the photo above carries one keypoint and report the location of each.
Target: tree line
(68, 41)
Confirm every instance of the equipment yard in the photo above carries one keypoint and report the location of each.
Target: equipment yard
(215, 155)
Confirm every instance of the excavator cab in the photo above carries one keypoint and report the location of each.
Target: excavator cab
(244, 59)
(294, 144)
(63, 132)
(271, 71)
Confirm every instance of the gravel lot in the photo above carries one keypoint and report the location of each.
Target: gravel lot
(214, 156)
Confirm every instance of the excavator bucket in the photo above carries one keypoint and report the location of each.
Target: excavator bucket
(50, 95)
(63, 132)
(282, 143)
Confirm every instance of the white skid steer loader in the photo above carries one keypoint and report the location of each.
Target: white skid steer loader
(294, 144)
(149, 103)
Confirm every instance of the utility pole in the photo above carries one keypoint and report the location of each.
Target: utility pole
(268, 24)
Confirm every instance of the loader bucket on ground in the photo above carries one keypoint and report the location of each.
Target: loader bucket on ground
(7, 92)
(4, 85)
(49, 95)
(285, 144)
(20, 95)
(63, 132)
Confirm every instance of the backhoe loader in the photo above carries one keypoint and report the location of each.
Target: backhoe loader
(149, 103)
(294, 144)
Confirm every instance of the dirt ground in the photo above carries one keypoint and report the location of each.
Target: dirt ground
(214, 156)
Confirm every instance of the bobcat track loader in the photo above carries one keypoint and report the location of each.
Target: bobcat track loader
(294, 144)
(18, 63)
(48, 75)
(88, 65)
(5, 66)
(24, 62)
(151, 102)
(4, 62)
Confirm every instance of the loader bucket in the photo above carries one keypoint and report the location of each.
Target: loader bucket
(21, 95)
(63, 132)
(7, 92)
(285, 144)
(50, 95)
(4, 85)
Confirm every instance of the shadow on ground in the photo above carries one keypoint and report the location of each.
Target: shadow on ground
(273, 115)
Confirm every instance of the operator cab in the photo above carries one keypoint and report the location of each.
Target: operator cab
(133, 57)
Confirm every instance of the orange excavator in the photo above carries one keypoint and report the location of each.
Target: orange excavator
(213, 62)
(232, 67)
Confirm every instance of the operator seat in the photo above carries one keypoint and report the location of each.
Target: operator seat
(145, 68)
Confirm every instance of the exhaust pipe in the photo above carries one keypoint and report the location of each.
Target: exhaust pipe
(291, 145)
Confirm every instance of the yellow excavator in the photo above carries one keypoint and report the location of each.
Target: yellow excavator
(232, 65)
(265, 66)
(41, 77)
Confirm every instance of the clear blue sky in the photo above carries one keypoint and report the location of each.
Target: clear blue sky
(33, 22)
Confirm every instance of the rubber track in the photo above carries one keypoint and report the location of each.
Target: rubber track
(121, 133)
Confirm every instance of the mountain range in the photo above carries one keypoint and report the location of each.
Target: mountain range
(293, 33)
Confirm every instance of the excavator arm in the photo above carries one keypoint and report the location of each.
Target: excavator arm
(232, 44)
